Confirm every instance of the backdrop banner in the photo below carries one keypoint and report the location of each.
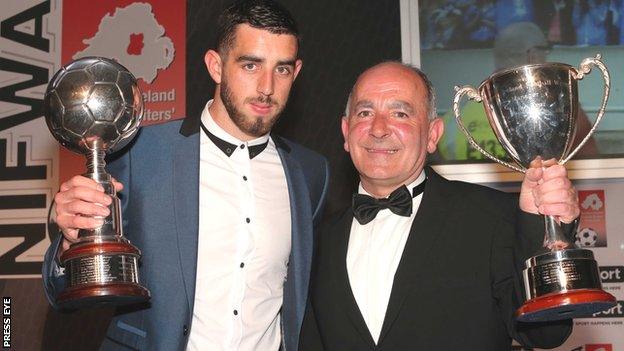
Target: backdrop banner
(147, 38)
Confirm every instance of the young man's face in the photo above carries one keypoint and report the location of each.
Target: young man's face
(387, 131)
(256, 74)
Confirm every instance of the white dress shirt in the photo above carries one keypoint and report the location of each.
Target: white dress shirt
(373, 256)
(243, 247)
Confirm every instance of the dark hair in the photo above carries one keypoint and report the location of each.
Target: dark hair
(262, 14)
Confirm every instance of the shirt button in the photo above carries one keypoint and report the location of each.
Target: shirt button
(242, 146)
(242, 265)
(245, 178)
(247, 220)
(235, 312)
(185, 330)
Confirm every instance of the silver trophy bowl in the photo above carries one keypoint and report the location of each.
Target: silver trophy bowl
(533, 111)
(93, 106)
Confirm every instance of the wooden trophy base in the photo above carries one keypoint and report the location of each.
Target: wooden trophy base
(565, 305)
(119, 294)
(100, 274)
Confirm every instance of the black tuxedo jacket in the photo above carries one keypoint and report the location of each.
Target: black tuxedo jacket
(457, 285)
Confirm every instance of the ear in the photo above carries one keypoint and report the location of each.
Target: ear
(345, 132)
(436, 129)
(212, 59)
(298, 65)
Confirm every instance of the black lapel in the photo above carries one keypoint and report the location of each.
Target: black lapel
(190, 125)
(430, 220)
(340, 234)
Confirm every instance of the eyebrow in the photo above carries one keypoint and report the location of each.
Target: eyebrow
(401, 105)
(290, 62)
(249, 58)
(363, 104)
(252, 58)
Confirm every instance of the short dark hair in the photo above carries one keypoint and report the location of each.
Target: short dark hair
(262, 14)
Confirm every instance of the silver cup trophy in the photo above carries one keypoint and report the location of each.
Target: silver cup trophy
(533, 111)
(93, 106)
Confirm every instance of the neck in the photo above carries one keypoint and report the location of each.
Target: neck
(382, 189)
(222, 119)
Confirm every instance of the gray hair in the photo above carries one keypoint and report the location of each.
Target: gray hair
(431, 94)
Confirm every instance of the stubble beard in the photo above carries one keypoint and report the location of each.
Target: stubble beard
(250, 125)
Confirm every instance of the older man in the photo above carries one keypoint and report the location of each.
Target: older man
(419, 262)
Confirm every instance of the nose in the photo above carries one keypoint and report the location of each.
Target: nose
(266, 84)
(379, 127)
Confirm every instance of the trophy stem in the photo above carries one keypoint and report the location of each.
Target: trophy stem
(111, 230)
(96, 164)
(555, 238)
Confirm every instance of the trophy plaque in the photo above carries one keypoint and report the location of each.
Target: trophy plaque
(533, 109)
(93, 106)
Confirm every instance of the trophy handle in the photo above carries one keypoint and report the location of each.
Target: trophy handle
(473, 94)
(585, 68)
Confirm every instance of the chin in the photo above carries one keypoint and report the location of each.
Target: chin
(378, 175)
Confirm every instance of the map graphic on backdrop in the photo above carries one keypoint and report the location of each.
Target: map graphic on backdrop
(147, 38)
(134, 38)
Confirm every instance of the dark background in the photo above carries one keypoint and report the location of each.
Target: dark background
(339, 40)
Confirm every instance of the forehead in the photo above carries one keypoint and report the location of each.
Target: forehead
(390, 83)
(255, 40)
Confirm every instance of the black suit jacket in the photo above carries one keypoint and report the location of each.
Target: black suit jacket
(457, 285)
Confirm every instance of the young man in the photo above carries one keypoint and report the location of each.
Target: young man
(222, 210)
(419, 262)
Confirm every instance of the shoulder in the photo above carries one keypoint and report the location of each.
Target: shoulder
(151, 140)
(313, 165)
(157, 137)
(333, 218)
(479, 197)
(304, 155)
(334, 225)
(158, 131)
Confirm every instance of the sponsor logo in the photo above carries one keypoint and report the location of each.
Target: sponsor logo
(612, 274)
(592, 227)
(616, 311)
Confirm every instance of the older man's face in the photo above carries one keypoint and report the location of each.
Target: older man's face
(387, 131)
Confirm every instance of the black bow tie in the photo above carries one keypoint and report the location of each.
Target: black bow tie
(365, 208)
(228, 148)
